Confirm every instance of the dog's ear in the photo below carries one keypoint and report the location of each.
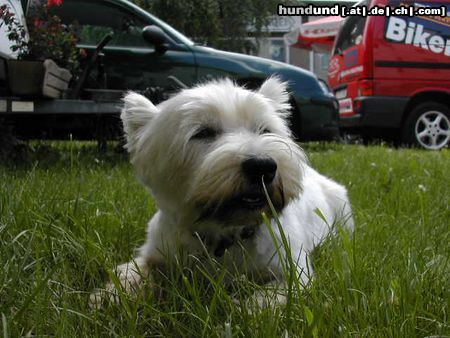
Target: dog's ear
(137, 111)
(276, 90)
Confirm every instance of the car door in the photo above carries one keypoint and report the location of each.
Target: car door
(130, 62)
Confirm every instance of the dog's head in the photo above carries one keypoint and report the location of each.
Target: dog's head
(208, 151)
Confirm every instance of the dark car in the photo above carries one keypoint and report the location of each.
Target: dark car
(146, 53)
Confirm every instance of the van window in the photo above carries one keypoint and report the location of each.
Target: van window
(351, 33)
(96, 19)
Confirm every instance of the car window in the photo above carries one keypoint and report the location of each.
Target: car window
(324, 86)
(351, 33)
(96, 19)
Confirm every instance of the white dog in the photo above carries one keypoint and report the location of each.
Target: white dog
(204, 154)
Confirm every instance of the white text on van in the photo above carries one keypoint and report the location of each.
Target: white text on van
(411, 33)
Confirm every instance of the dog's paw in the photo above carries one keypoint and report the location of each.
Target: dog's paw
(268, 299)
(127, 279)
(99, 297)
(261, 300)
(274, 295)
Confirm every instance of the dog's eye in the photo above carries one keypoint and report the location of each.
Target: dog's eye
(265, 131)
(205, 133)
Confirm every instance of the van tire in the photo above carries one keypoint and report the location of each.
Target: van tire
(428, 126)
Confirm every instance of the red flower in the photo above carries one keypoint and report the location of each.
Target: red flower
(37, 22)
(54, 3)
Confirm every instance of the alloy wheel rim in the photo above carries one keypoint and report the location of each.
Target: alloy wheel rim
(432, 130)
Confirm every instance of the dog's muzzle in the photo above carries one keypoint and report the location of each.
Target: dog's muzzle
(245, 207)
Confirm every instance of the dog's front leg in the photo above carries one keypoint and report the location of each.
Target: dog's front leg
(129, 278)
(273, 293)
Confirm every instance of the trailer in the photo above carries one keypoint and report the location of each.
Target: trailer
(83, 114)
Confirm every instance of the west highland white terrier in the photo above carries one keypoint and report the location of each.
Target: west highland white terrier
(210, 156)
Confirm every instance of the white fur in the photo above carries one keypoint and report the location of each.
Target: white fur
(185, 174)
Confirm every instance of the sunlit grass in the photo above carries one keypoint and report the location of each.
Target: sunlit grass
(69, 215)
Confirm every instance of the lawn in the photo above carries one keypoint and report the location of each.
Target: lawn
(68, 215)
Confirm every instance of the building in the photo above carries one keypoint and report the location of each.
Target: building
(276, 47)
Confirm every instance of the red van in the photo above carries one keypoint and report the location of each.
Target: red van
(391, 74)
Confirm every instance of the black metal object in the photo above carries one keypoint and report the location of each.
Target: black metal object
(3, 78)
(87, 70)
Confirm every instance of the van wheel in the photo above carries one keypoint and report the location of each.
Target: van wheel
(428, 126)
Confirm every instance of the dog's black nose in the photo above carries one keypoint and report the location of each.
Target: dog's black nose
(256, 167)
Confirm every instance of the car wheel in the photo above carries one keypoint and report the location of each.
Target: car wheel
(428, 126)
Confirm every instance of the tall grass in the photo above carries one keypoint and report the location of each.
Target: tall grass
(69, 215)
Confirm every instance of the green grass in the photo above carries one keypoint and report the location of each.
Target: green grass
(69, 215)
